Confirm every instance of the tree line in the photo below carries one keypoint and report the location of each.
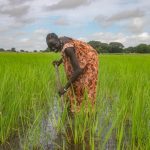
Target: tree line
(112, 47)
(117, 47)
(21, 51)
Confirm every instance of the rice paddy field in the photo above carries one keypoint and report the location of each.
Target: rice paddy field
(31, 114)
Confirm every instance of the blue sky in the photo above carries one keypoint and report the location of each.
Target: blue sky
(24, 24)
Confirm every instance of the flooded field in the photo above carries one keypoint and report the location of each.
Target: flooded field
(50, 138)
(31, 117)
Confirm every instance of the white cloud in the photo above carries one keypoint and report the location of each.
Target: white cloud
(130, 20)
(30, 42)
(24, 23)
(136, 25)
(107, 37)
(68, 4)
(61, 22)
(24, 40)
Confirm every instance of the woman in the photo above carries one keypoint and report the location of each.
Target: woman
(81, 67)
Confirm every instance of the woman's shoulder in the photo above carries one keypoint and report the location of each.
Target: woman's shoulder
(65, 39)
(67, 42)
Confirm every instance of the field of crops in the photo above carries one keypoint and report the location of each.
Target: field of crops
(30, 109)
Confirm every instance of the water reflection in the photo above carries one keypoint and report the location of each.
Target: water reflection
(52, 139)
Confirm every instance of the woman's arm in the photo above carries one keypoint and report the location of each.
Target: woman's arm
(70, 52)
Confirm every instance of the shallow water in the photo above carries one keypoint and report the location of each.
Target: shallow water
(52, 140)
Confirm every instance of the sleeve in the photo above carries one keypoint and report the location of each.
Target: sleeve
(67, 45)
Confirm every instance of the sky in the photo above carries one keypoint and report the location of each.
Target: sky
(24, 24)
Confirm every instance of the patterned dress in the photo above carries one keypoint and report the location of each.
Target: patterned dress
(85, 85)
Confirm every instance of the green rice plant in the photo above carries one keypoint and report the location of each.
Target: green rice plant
(28, 95)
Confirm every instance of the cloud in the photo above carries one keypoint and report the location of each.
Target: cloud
(129, 20)
(120, 16)
(25, 41)
(107, 37)
(25, 23)
(136, 25)
(14, 14)
(16, 11)
(126, 15)
(36, 41)
(68, 4)
(17, 2)
(61, 22)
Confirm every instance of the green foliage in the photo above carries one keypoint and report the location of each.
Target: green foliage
(116, 47)
(2, 50)
(13, 49)
(112, 47)
(130, 50)
(95, 45)
(104, 48)
(47, 50)
(100, 47)
(142, 48)
(27, 93)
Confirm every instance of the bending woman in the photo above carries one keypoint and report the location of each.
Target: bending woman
(81, 66)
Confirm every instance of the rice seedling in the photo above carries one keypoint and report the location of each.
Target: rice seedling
(31, 114)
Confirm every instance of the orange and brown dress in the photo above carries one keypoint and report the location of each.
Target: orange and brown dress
(87, 81)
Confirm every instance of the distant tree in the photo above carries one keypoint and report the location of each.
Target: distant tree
(104, 47)
(2, 50)
(129, 50)
(35, 51)
(47, 50)
(95, 45)
(13, 49)
(142, 48)
(149, 47)
(22, 50)
(116, 47)
(8, 50)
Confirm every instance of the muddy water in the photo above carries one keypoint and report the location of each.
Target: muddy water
(52, 140)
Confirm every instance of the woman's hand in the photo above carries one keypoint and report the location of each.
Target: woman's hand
(56, 62)
(62, 91)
